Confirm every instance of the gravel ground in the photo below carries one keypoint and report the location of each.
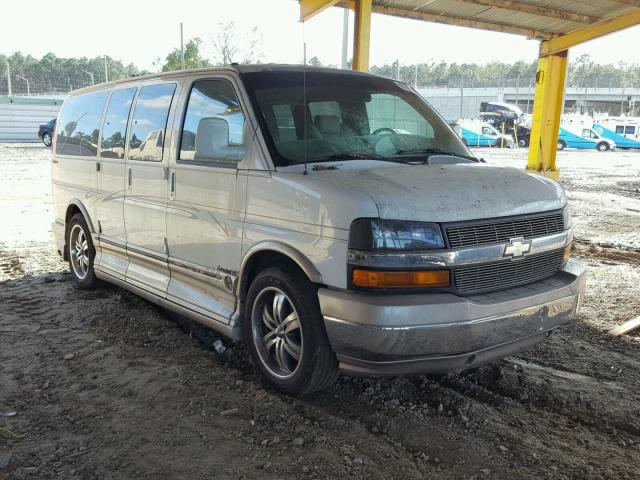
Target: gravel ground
(106, 386)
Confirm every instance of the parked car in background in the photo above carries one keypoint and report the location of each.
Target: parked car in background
(583, 138)
(46, 131)
(330, 219)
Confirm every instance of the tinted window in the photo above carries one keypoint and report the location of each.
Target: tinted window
(629, 130)
(150, 121)
(619, 129)
(80, 124)
(284, 122)
(114, 130)
(393, 113)
(213, 124)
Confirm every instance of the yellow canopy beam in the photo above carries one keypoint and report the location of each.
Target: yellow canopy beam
(547, 108)
(310, 8)
(362, 35)
(605, 27)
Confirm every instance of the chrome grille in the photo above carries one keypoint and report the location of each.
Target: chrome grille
(465, 235)
(507, 273)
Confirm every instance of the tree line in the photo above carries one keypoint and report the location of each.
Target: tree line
(583, 73)
(52, 74)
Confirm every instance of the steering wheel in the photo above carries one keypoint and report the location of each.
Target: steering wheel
(382, 130)
(385, 132)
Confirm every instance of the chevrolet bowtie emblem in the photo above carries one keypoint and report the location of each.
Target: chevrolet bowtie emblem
(517, 247)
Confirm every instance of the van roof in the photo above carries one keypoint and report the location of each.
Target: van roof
(248, 68)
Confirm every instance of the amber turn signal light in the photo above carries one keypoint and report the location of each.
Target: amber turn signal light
(385, 279)
(567, 253)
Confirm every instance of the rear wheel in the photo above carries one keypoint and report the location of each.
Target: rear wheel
(46, 139)
(603, 147)
(523, 142)
(81, 252)
(561, 145)
(285, 332)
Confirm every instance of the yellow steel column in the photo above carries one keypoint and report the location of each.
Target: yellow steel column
(547, 108)
(362, 35)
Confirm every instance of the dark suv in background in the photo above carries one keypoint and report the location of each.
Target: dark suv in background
(45, 132)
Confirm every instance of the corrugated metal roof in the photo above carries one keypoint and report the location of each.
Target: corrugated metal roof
(535, 18)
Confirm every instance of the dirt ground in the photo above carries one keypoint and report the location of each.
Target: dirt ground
(106, 386)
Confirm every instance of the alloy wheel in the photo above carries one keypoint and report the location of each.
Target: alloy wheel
(79, 251)
(277, 332)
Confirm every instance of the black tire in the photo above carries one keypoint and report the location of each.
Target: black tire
(602, 146)
(88, 280)
(46, 139)
(317, 367)
(561, 145)
(523, 142)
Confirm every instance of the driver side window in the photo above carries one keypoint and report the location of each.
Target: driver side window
(213, 130)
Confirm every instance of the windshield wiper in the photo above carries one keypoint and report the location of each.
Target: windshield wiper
(437, 151)
(357, 156)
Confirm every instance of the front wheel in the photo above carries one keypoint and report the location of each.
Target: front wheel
(81, 252)
(285, 332)
(603, 147)
(46, 139)
(562, 145)
(523, 142)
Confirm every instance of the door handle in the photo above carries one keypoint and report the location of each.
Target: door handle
(54, 160)
(173, 182)
(97, 166)
(129, 176)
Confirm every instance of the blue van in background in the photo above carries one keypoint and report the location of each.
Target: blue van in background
(585, 138)
(626, 134)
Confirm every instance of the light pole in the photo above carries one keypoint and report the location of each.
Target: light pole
(106, 70)
(91, 75)
(8, 76)
(26, 80)
(182, 65)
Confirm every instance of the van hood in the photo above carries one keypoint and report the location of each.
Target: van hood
(448, 193)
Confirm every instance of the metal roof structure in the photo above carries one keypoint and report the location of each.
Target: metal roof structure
(541, 19)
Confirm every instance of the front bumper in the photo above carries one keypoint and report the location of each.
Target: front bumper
(435, 333)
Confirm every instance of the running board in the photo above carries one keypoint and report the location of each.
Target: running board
(232, 332)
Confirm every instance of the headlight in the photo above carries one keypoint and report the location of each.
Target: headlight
(566, 217)
(376, 234)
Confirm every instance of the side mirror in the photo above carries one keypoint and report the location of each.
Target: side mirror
(212, 141)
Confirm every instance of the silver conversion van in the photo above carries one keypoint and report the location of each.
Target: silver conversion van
(330, 219)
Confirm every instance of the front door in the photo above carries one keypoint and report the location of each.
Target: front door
(206, 204)
(145, 203)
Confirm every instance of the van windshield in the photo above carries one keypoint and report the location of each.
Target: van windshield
(310, 115)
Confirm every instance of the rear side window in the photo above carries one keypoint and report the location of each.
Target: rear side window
(213, 128)
(629, 130)
(619, 129)
(114, 130)
(149, 123)
(77, 133)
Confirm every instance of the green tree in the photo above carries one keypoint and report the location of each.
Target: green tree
(192, 57)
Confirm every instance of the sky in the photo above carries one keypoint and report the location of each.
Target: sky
(140, 31)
